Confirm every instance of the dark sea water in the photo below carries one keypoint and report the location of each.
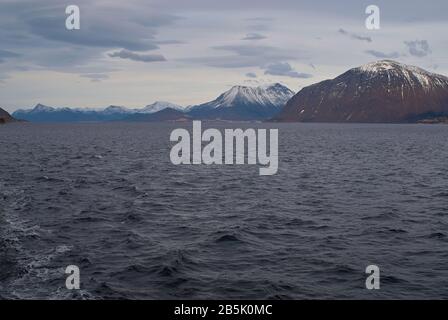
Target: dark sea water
(105, 197)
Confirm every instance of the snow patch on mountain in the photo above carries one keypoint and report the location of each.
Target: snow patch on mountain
(271, 95)
(411, 74)
(40, 108)
(159, 106)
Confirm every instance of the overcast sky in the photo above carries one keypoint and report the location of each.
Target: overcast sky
(135, 52)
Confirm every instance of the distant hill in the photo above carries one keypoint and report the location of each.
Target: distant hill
(5, 117)
(167, 114)
(42, 113)
(384, 91)
(244, 103)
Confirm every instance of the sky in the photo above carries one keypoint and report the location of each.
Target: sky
(132, 53)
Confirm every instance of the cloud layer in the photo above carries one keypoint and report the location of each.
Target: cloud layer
(383, 55)
(5, 54)
(418, 48)
(284, 69)
(254, 36)
(355, 36)
(126, 54)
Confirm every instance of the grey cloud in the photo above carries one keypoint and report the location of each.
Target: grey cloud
(94, 33)
(95, 77)
(418, 48)
(5, 54)
(257, 51)
(258, 27)
(245, 56)
(252, 82)
(229, 61)
(3, 77)
(22, 68)
(362, 38)
(169, 42)
(131, 27)
(155, 20)
(354, 35)
(126, 54)
(39, 31)
(260, 19)
(254, 36)
(251, 75)
(285, 69)
(383, 55)
(347, 9)
(63, 58)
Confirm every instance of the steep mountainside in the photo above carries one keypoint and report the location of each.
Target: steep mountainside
(383, 91)
(5, 117)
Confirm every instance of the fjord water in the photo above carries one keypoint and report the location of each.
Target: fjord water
(105, 197)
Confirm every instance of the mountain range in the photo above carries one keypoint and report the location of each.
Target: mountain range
(238, 103)
(384, 91)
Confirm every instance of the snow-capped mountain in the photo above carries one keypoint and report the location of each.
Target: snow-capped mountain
(40, 108)
(116, 110)
(382, 91)
(244, 103)
(159, 106)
